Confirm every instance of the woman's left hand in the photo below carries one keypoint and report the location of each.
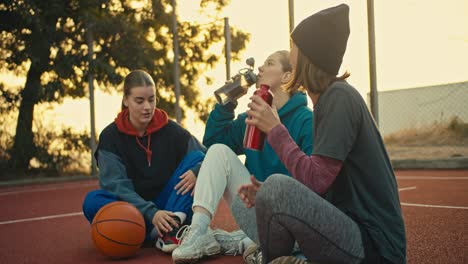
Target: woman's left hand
(186, 183)
(262, 115)
(248, 192)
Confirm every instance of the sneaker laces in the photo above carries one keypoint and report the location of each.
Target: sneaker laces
(185, 233)
(232, 242)
(232, 251)
(257, 256)
(233, 246)
(254, 255)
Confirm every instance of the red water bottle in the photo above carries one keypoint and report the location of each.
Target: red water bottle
(254, 138)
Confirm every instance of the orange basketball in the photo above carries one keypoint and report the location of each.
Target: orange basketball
(118, 230)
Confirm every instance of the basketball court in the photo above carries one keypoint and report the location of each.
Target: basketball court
(43, 223)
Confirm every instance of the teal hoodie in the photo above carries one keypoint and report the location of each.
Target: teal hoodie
(221, 127)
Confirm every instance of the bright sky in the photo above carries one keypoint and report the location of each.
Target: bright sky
(418, 43)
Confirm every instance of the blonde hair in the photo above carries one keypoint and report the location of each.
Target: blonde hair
(308, 76)
(286, 66)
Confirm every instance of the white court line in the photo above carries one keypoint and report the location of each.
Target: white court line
(48, 189)
(407, 188)
(80, 213)
(428, 205)
(40, 218)
(430, 178)
(435, 206)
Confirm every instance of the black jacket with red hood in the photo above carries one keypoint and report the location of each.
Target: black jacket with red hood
(136, 169)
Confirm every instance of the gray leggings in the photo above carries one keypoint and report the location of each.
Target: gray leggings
(288, 211)
(245, 218)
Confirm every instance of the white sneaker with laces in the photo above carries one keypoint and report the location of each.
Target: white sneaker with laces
(195, 245)
(253, 255)
(230, 242)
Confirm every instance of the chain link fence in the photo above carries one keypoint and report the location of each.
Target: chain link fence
(425, 123)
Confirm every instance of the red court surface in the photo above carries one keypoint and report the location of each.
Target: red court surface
(44, 223)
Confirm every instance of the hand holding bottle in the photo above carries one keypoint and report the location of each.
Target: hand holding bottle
(262, 115)
(254, 137)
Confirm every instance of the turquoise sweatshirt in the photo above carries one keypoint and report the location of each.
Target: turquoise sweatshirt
(221, 127)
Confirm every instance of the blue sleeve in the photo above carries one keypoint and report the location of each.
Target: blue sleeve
(113, 178)
(222, 128)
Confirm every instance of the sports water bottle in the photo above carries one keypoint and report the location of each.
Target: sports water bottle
(238, 85)
(254, 138)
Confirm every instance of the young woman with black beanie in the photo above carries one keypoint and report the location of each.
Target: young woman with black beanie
(342, 203)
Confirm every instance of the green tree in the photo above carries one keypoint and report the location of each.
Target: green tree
(46, 42)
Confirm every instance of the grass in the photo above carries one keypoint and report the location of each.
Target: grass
(449, 133)
(440, 140)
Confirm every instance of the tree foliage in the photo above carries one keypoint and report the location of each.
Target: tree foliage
(46, 41)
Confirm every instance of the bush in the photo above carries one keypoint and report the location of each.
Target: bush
(451, 132)
(457, 127)
(58, 153)
(67, 153)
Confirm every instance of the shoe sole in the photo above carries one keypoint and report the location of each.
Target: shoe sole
(168, 249)
(212, 250)
(165, 248)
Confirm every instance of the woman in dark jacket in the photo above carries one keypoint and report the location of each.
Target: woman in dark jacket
(149, 161)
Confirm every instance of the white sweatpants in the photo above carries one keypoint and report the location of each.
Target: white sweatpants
(220, 175)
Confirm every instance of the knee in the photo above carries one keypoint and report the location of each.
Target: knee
(276, 183)
(90, 198)
(94, 200)
(219, 150)
(93, 197)
(272, 190)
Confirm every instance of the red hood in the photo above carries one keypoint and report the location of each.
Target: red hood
(158, 121)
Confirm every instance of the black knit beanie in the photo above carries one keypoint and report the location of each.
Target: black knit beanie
(322, 37)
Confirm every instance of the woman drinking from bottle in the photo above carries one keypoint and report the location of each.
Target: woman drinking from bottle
(222, 172)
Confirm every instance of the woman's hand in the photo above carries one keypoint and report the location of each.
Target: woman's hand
(186, 183)
(262, 115)
(248, 192)
(163, 221)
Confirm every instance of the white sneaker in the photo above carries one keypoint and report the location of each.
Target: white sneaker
(230, 242)
(253, 255)
(195, 245)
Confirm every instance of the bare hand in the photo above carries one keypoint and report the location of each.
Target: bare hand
(187, 183)
(262, 115)
(163, 221)
(248, 192)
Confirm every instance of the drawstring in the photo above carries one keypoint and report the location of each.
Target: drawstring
(147, 149)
